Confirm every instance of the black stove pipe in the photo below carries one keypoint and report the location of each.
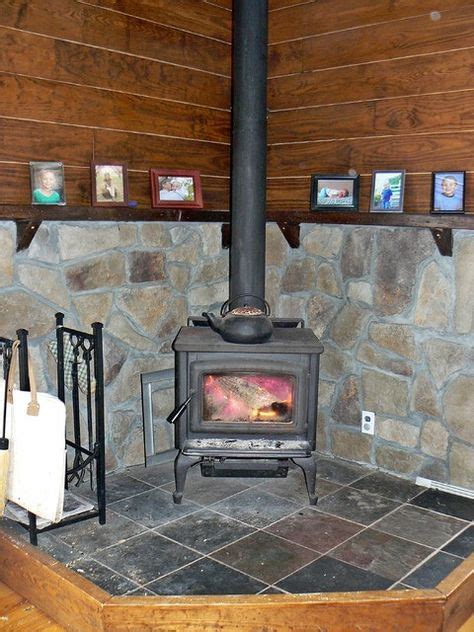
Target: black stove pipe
(249, 153)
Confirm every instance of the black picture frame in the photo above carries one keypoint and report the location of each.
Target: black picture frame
(334, 192)
(448, 192)
(387, 191)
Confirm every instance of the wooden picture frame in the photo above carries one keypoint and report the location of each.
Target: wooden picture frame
(448, 192)
(387, 191)
(175, 188)
(47, 183)
(109, 184)
(334, 192)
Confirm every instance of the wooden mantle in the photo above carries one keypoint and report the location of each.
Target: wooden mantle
(79, 605)
(29, 218)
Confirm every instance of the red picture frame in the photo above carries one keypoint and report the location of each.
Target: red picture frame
(175, 188)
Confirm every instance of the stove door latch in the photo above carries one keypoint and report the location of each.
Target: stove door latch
(179, 410)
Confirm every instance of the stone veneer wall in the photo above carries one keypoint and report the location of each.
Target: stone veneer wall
(396, 318)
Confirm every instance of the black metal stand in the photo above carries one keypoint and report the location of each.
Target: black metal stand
(79, 368)
(182, 464)
(308, 465)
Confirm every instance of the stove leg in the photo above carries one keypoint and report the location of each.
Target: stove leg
(308, 465)
(182, 463)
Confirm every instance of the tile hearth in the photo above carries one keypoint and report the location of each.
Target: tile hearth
(369, 531)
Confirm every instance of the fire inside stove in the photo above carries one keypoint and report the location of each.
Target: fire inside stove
(246, 397)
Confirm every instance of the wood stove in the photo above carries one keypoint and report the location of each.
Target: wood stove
(246, 408)
(246, 385)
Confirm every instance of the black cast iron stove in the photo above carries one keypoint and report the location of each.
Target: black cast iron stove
(246, 384)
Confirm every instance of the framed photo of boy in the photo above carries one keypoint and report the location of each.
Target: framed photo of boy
(175, 188)
(109, 184)
(387, 191)
(331, 192)
(47, 183)
(448, 192)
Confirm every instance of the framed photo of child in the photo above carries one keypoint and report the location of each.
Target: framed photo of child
(448, 192)
(334, 192)
(47, 183)
(109, 184)
(175, 188)
(387, 191)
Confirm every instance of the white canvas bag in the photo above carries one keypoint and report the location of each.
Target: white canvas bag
(36, 426)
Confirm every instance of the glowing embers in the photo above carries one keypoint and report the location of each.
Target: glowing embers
(248, 397)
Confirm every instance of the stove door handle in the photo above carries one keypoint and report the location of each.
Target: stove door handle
(179, 410)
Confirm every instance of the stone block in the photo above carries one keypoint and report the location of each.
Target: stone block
(45, 282)
(444, 359)
(212, 270)
(82, 241)
(398, 461)
(356, 254)
(300, 276)
(323, 241)
(175, 318)
(320, 312)
(373, 357)
(211, 239)
(400, 253)
(459, 406)
(360, 291)
(102, 272)
(156, 235)
(208, 295)
(396, 431)
(179, 276)
(276, 250)
(424, 398)
(434, 439)
(325, 392)
(44, 246)
(145, 266)
(145, 306)
(291, 306)
(351, 445)
(461, 465)
(335, 362)
(6, 257)
(93, 308)
(22, 310)
(396, 338)
(272, 289)
(121, 328)
(384, 394)
(187, 252)
(348, 325)
(327, 281)
(347, 408)
(433, 303)
(464, 277)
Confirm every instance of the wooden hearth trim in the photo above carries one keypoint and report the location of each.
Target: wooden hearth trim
(78, 604)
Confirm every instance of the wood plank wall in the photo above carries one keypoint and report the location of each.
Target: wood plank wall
(146, 82)
(366, 85)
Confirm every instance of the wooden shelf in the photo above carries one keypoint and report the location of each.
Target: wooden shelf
(29, 218)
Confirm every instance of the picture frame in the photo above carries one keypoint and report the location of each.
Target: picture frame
(387, 191)
(448, 192)
(175, 188)
(47, 183)
(109, 184)
(334, 192)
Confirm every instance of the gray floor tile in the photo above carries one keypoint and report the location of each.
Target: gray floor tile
(255, 507)
(145, 557)
(153, 508)
(207, 490)
(388, 486)
(433, 571)
(420, 525)
(206, 577)
(265, 557)
(293, 487)
(381, 553)
(205, 531)
(329, 575)
(339, 471)
(352, 504)
(463, 545)
(314, 529)
(108, 580)
(155, 475)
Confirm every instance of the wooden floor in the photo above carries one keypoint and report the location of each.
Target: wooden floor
(17, 614)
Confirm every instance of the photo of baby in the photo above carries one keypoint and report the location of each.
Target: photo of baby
(47, 183)
(334, 192)
(448, 192)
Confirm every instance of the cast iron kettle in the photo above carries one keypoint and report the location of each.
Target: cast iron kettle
(244, 325)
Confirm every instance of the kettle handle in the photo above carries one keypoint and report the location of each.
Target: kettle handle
(227, 305)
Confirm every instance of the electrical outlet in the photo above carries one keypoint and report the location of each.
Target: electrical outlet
(367, 422)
